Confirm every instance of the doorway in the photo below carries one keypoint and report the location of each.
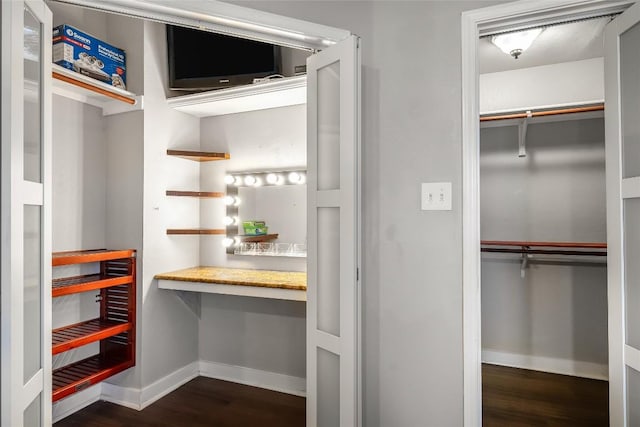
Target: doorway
(512, 17)
(543, 226)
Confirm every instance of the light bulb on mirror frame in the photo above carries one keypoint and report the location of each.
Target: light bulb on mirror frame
(272, 178)
(249, 180)
(294, 177)
(230, 220)
(229, 200)
(227, 242)
(229, 179)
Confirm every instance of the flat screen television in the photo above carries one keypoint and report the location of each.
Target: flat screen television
(203, 60)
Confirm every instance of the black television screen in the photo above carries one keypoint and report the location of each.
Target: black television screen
(201, 60)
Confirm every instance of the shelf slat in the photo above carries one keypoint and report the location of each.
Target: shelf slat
(89, 282)
(201, 194)
(199, 156)
(82, 333)
(80, 375)
(91, 255)
(196, 231)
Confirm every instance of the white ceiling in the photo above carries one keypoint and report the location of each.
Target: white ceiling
(558, 43)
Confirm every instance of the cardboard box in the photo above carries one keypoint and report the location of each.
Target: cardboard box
(85, 54)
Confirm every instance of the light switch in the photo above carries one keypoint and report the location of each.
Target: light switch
(436, 196)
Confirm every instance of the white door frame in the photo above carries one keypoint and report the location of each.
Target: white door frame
(515, 15)
(249, 23)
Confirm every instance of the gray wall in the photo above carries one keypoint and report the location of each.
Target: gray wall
(412, 277)
(555, 193)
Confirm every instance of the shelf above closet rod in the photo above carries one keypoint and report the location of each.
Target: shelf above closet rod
(542, 113)
(544, 248)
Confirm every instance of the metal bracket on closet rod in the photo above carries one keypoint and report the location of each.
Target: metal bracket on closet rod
(522, 135)
(525, 261)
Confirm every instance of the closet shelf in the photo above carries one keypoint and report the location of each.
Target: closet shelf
(90, 91)
(199, 156)
(271, 94)
(90, 255)
(79, 334)
(196, 231)
(200, 194)
(88, 282)
(80, 375)
(544, 248)
(543, 115)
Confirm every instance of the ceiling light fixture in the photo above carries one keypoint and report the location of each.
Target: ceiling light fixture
(515, 43)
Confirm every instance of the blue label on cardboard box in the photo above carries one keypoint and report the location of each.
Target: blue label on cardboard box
(85, 54)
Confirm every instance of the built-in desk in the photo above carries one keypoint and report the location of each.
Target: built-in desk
(289, 285)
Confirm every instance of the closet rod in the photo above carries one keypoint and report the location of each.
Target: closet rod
(524, 115)
(524, 247)
(543, 251)
(585, 245)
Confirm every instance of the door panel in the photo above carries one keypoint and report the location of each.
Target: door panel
(622, 134)
(25, 254)
(333, 195)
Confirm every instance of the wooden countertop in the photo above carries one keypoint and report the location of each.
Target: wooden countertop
(210, 279)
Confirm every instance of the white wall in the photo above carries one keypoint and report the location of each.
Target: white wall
(79, 201)
(556, 193)
(256, 333)
(169, 328)
(566, 83)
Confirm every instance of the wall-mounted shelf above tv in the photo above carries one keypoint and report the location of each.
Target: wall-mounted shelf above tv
(280, 92)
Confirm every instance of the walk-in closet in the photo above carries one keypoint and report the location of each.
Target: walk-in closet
(543, 227)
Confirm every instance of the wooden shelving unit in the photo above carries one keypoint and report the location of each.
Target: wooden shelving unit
(114, 329)
(199, 194)
(196, 231)
(199, 156)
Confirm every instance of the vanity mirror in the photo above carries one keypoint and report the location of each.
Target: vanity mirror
(266, 213)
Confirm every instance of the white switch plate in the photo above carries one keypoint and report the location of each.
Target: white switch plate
(436, 196)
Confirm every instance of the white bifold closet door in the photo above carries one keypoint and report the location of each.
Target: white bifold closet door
(333, 196)
(622, 124)
(25, 251)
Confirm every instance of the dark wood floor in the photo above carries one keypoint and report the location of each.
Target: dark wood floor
(511, 398)
(200, 402)
(519, 397)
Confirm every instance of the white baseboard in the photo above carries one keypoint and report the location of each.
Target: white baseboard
(141, 398)
(254, 377)
(75, 402)
(547, 364)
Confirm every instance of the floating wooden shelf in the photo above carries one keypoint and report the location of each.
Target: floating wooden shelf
(196, 231)
(114, 329)
(79, 334)
(262, 238)
(199, 156)
(201, 194)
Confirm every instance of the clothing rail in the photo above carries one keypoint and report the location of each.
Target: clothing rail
(542, 248)
(541, 113)
(557, 248)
